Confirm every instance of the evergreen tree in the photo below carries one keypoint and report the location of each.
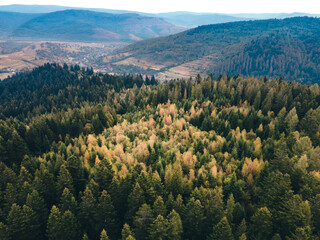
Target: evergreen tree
(45, 185)
(261, 227)
(221, 231)
(23, 223)
(107, 216)
(135, 200)
(159, 228)
(37, 204)
(103, 235)
(126, 232)
(64, 180)
(193, 218)
(55, 224)
(70, 226)
(142, 222)
(159, 208)
(174, 226)
(104, 174)
(88, 212)
(68, 202)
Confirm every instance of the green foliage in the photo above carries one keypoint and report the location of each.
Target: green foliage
(178, 160)
(221, 231)
(270, 47)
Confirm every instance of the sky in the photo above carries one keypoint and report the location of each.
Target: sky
(216, 6)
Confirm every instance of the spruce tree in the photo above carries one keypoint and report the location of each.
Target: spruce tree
(221, 231)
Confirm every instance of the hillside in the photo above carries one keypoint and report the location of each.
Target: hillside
(287, 48)
(76, 25)
(9, 21)
(98, 156)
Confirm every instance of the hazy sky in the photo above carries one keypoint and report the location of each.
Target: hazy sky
(219, 6)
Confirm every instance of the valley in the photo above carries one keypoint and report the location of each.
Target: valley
(17, 56)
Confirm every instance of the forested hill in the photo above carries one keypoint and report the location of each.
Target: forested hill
(53, 86)
(89, 26)
(287, 48)
(9, 21)
(95, 156)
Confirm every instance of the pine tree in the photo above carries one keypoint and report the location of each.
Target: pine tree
(221, 231)
(68, 202)
(37, 204)
(158, 229)
(55, 224)
(103, 235)
(193, 219)
(107, 215)
(230, 208)
(75, 169)
(88, 212)
(175, 229)
(291, 120)
(85, 237)
(130, 237)
(70, 226)
(159, 208)
(241, 229)
(104, 174)
(135, 200)
(214, 209)
(23, 223)
(45, 185)
(142, 222)
(126, 232)
(261, 227)
(64, 180)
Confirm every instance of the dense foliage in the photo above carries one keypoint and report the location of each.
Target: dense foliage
(198, 159)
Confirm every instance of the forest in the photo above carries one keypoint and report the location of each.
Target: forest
(86, 155)
(287, 48)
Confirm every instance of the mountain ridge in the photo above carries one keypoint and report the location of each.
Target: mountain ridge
(89, 26)
(287, 48)
(182, 18)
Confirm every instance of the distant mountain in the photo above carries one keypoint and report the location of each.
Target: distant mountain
(22, 8)
(9, 21)
(88, 26)
(288, 48)
(184, 19)
(190, 19)
(273, 15)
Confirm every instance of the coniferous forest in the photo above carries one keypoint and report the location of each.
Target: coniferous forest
(94, 156)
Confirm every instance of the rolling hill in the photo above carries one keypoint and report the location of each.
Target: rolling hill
(184, 19)
(88, 26)
(287, 48)
(180, 18)
(9, 21)
(191, 19)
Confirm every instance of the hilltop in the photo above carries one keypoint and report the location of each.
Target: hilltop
(78, 25)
